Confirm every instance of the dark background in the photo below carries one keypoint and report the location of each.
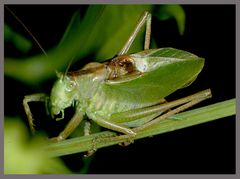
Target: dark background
(206, 148)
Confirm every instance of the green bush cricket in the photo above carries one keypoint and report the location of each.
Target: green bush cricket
(125, 94)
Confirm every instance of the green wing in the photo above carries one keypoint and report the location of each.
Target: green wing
(163, 71)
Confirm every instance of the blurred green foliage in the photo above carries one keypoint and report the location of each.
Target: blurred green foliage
(173, 11)
(25, 156)
(100, 33)
(21, 43)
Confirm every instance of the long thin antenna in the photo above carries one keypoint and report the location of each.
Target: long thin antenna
(69, 64)
(14, 15)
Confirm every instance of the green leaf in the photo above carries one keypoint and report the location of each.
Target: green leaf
(173, 11)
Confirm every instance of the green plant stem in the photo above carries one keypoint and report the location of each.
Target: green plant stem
(107, 138)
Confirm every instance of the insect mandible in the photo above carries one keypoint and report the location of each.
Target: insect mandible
(125, 94)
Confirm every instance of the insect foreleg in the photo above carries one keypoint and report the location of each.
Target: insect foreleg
(32, 98)
(145, 17)
(71, 126)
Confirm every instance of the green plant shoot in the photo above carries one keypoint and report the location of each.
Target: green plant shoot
(125, 94)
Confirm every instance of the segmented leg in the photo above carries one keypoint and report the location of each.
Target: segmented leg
(178, 105)
(109, 125)
(71, 126)
(187, 103)
(87, 128)
(145, 17)
(135, 114)
(95, 140)
(148, 31)
(112, 125)
(32, 98)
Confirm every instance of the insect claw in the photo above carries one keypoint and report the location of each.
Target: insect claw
(90, 153)
(56, 139)
(128, 141)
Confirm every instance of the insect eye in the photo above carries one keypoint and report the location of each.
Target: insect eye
(71, 86)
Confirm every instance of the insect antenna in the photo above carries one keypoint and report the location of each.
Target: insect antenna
(69, 64)
(87, 38)
(29, 32)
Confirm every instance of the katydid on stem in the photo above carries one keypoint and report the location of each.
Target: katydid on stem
(125, 94)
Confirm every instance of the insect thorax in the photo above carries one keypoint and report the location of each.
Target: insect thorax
(120, 66)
